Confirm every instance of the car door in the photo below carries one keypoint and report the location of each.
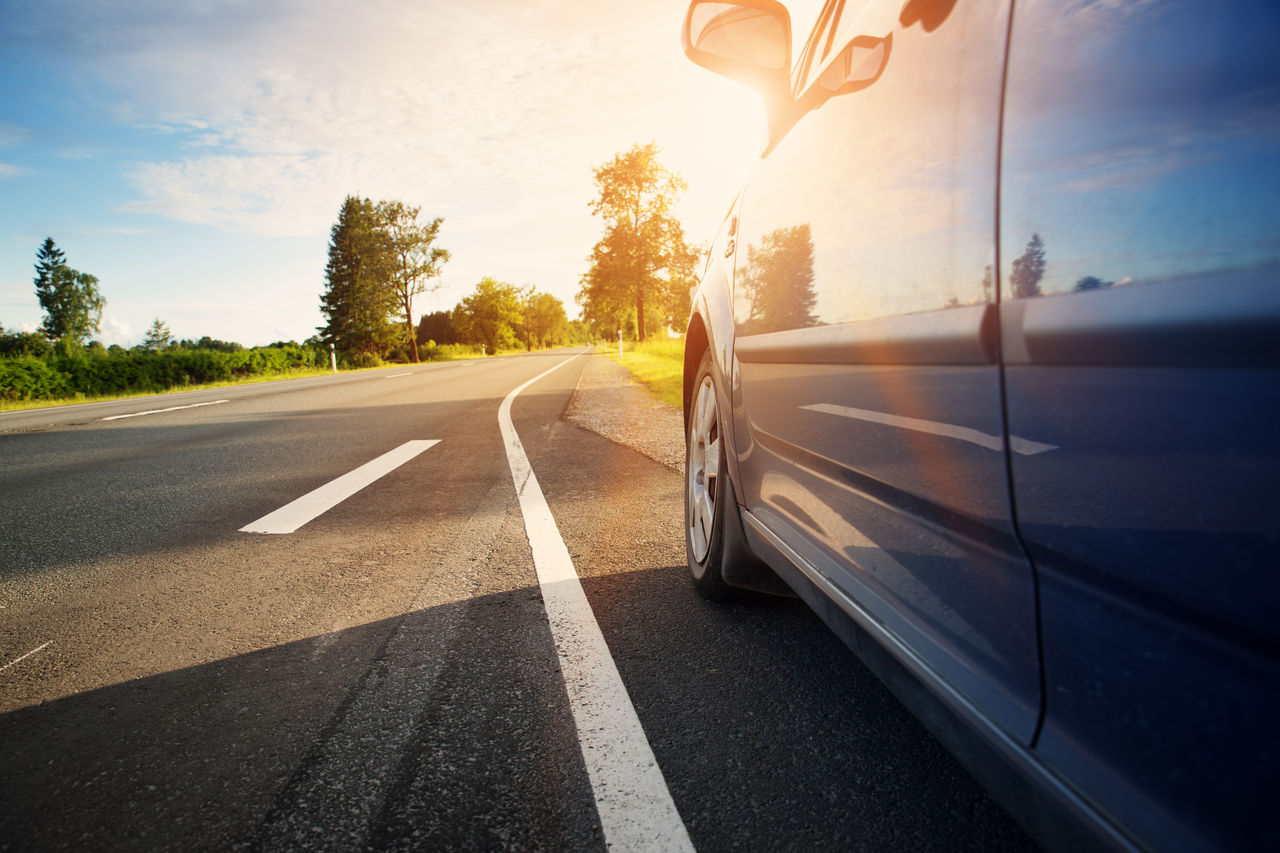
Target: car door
(1140, 245)
(867, 400)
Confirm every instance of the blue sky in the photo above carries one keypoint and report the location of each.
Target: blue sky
(193, 155)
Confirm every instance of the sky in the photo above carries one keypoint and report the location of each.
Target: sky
(193, 154)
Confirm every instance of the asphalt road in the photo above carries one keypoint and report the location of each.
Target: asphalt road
(386, 676)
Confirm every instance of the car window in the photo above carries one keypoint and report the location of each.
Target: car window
(881, 202)
(1147, 166)
(806, 58)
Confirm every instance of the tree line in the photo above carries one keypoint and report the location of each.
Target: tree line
(638, 282)
(381, 256)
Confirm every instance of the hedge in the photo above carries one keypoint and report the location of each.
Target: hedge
(61, 374)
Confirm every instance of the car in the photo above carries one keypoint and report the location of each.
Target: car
(983, 367)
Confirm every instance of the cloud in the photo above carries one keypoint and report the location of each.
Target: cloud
(262, 116)
(121, 232)
(116, 331)
(8, 170)
(12, 135)
(283, 108)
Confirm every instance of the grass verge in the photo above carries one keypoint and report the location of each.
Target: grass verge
(658, 364)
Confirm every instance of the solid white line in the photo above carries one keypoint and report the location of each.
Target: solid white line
(1024, 446)
(161, 411)
(291, 516)
(633, 801)
(27, 655)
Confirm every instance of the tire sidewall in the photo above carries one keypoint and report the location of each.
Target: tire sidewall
(706, 574)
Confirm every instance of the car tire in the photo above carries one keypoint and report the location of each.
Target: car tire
(707, 494)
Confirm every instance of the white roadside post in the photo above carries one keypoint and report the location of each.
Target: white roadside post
(619, 345)
(333, 358)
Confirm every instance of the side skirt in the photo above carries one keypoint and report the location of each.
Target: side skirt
(1048, 809)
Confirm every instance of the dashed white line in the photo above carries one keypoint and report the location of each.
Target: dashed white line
(293, 515)
(162, 411)
(633, 801)
(27, 655)
(398, 375)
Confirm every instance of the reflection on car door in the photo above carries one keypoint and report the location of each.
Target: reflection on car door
(1141, 249)
(867, 396)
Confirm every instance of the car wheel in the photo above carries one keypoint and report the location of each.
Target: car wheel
(706, 494)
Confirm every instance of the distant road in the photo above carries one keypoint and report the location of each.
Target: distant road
(385, 676)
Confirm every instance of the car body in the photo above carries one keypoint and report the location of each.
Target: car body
(983, 366)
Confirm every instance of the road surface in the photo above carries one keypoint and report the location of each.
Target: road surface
(387, 676)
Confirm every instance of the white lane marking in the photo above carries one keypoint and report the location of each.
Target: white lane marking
(27, 655)
(398, 375)
(633, 801)
(1024, 446)
(162, 411)
(291, 516)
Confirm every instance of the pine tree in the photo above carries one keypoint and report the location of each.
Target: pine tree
(1028, 270)
(158, 337)
(357, 301)
(48, 258)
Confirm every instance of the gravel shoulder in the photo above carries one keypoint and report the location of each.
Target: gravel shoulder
(610, 403)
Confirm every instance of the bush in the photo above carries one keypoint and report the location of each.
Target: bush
(361, 360)
(65, 370)
(26, 377)
(24, 343)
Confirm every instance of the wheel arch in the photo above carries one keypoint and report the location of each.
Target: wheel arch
(741, 568)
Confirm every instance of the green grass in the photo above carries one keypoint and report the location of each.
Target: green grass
(658, 364)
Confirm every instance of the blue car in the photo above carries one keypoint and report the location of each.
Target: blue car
(983, 366)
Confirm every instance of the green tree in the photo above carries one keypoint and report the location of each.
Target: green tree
(437, 326)
(357, 300)
(490, 315)
(545, 322)
(643, 251)
(158, 337)
(48, 258)
(414, 261)
(73, 306)
(71, 300)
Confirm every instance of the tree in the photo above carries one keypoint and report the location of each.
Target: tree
(158, 337)
(48, 258)
(1028, 270)
(71, 300)
(72, 304)
(490, 315)
(545, 322)
(1092, 282)
(778, 280)
(356, 301)
(414, 261)
(437, 326)
(643, 250)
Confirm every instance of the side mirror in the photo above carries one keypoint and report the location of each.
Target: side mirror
(744, 40)
(858, 66)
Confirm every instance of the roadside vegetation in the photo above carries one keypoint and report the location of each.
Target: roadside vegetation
(33, 369)
(381, 256)
(658, 364)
